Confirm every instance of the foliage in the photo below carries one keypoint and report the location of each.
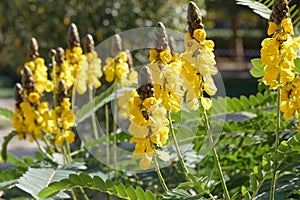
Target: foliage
(243, 143)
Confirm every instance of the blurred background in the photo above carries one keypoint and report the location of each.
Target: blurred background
(236, 30)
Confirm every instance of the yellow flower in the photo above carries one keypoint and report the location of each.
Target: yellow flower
(67, 118)
(149, 103)
(206, 103)
(67, 136)
(138, 131)
(199, 35)
(287, 26)
(272, 28)
(33, 97)
(190, 45)
(165, 56)
(153, 55)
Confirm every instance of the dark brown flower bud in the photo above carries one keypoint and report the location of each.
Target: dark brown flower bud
(194, 18)
(280, 11)
(33, 49)
(52, 53)
(61, 92)
(116, 45)
(129, 59)
(60, 56)
(18, 94)
(160, 37)
(145, 83)
(89, 44)
(73, 38)
(27, 80)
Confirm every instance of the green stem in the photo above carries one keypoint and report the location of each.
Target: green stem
(107, 134)
(259, 186)
(215, 155)
(275, 165)
(115, 136)
(94, 125)
(85, 197)
(186, 172)
(43, 150)
(161, 179)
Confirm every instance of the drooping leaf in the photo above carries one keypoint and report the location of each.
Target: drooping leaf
(257, 7)
(6, 113)
(96, 183)
(7, 138)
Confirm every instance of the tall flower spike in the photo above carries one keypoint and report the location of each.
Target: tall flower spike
(280, 11)
(18, 94)
(89, 44)
(194, 18)
(27, 80)
(73, 38)
(160, 37)
(116, 45)
(33, 49)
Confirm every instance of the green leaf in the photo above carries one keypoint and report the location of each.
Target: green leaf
(7, 138)
(257, 7)
(149, 195)
(140, 193)
(297, 64)
(256, 62)
(35, 179)
(99, 183)
(6, 113)
(86, 179)
(121, 190)
(256, 73)
(131, 193)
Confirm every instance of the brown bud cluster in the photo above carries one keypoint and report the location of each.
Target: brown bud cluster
(160, 37)
(280, 11)
(33, 49)
(145, 83)
(116, 45)
(194, 18)
(62, 92)
(27, 80)
(73, 36)
(89, 44)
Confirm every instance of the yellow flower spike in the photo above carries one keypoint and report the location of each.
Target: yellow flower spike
(33, 97)
(199, 35)
(272, 28)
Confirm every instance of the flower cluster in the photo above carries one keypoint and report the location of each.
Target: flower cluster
(198, 63)
(118, 68)
(278, 54)
(149, 126)
(33, 115)
(90, 71)
(165, 69)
